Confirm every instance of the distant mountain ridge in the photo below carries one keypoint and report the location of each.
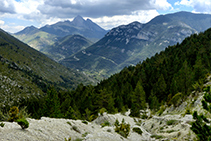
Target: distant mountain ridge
(66, 46)
(85, 28)
(129, 44)
(39, 38)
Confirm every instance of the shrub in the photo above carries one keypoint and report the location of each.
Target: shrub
(85, 122)
(156, 136)
(13, 113)
(162, 109)
(2, 124)
(123, 129)
(23, 113)
(2, 116)
(69, 123)
(137, 130)
(102, 110)
(171, 122)
(75, 128)
(23, 123)
(69, 139)
(176, 99)
(108, 130)
(106, 123)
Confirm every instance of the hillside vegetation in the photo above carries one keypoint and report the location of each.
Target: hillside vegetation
(27, 73)
(166, 78)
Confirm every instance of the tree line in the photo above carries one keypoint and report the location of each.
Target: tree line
(156, 80)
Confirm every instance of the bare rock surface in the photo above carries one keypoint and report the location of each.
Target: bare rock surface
(173, 124)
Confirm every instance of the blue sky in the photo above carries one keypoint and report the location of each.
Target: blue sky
(17, 14)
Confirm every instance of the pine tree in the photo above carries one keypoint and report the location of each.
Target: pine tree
(138, 100)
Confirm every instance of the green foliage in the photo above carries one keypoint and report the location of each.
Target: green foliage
(138, 99)
(201, 126)
(171, 122)
(84, 121)
(2, 124)
(157, 136)
(162, 109)
(23, 113)
(137, 130)
(102, 110)
(176, 99)
(173, 71)
(122, 128)
(13, 113)
(106, 123)
(69, 123)
(75, 128)
(3, 116)
(23, 123)
(69, 139)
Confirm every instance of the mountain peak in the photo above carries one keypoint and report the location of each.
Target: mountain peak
(78, 20)
(28, 30)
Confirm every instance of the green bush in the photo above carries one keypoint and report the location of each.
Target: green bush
(75, 128)
(156, 136)
(106, 123)
(176, 99)
(2, 116)
(85, 122)
(23, 123)
(69, 139)
(23, 113)
(102, 110)
(162, 109)
(2, 124)
(137, 130)
(171, 122)
(13, 113)
(69, 123)
(123, 129)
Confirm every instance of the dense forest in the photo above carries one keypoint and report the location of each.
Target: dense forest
(168, 75)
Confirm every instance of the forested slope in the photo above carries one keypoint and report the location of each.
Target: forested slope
(167, 76)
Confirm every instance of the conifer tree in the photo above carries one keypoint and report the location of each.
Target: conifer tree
(138, 100)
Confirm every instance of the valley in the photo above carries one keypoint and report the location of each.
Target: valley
(138, 81)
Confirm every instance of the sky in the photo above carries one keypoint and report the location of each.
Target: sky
(15, 15)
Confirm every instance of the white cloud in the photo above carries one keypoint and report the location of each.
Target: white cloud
(142, 16)
(11, 28)
(99, 8)
(27, 6)
(1, 22)
(199, 6)
(7, 6)
(107, 13)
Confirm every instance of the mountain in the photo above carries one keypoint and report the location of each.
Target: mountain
(85, 28)
(49, 34)
(66, 46)
(35, 37)
(129, 44)
(28, 31)
(25, 72)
